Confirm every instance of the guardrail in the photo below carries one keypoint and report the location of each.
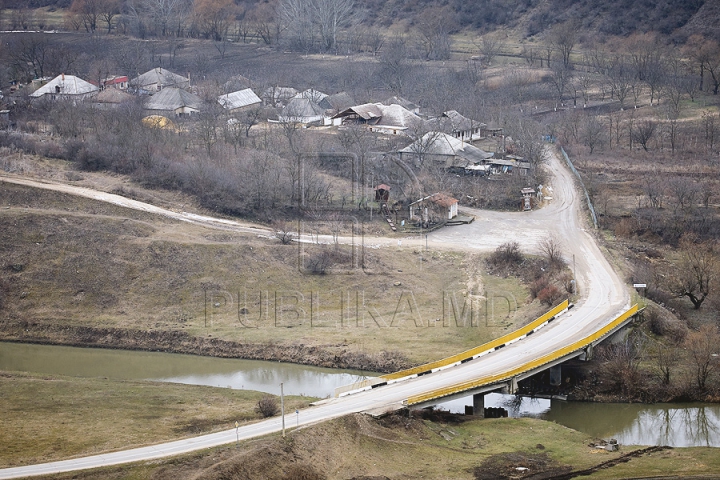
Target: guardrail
(455, 359)
(478, 351)
(507, 375)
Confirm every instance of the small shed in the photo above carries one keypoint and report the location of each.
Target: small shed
(382, 193)
(435, 208)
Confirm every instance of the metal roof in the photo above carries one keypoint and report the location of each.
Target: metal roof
(302, 108)
(173, 98)
(437, 143)
(239, 99)
(160, 76)
(68, 85)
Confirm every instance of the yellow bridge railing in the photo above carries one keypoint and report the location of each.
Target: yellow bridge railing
(500, 377)
(469, 354)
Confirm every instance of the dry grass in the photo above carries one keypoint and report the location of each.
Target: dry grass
(72, 261)
(400, 447)
(53, 417)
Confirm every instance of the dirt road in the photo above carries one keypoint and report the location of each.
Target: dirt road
(604, 296)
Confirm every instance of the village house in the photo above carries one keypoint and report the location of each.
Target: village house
(444, 149)
(157, 79)
(336, 102)
(389, 119)
(237, 101)
(458, 126)
(111, 98)
(406, 104)
(435, 208)
(301, 110)
(116, 81)
(65, 87)
(174, 101)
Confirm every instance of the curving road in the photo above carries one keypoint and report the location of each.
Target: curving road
(604, 296)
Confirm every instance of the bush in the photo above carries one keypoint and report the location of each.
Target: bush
(665, 324)
(267, 406)
(507, 255)
(549, 295)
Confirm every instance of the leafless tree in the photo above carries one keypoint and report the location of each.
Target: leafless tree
(697, 272)
(667, 358)
(562, 38)
(330, 16)
(434, 26)
(394, 66)
(560, 79)
(489, 48)
(593, 133)
(284, 232)
(621, 77)
(551, 248)
(30, 55)
(644, 132)
(702, 348)
(620, 365)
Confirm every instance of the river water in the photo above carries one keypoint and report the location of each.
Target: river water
(169, 367)
(679, 425)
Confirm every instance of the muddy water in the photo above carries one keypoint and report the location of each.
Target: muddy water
(167, 367)
(674, 424)
(679, 425)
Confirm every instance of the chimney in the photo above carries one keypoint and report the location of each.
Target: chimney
(62, 75)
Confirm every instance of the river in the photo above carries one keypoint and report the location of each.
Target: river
(678, 425)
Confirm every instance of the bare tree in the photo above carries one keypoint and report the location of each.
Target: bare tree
(562, 38)
(644, 132)
(620, 365)
(434, 26)
(702, 348)
(560, 79)
(593, 133)
(394, 66)
(621, 77)
(696, 273)
(330, 15)
(489, 48)
(551, 248)
(284, 233)
(667, 358)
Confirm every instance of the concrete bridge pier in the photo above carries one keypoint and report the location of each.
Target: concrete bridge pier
(479, 405)
(511, 387)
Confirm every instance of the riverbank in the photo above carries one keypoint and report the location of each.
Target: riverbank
(428, 446)
(335, 356)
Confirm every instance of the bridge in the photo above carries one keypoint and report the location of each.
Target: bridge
(562, 333)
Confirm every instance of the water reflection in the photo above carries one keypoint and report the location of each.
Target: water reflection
(677, 425)
(168, 367)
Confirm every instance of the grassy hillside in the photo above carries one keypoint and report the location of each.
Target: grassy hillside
(82, 272)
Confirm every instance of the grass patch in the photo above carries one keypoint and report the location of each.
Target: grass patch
(411, 447)
(77, 262)
(54, 417)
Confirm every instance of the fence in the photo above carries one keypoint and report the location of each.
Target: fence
(587, 195)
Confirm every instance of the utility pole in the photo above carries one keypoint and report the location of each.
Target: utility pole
(282, 409)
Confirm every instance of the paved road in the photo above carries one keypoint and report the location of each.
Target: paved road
(604, 296)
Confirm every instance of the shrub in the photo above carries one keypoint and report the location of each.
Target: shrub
(506, 255)
(267, 406)
(549, 295)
